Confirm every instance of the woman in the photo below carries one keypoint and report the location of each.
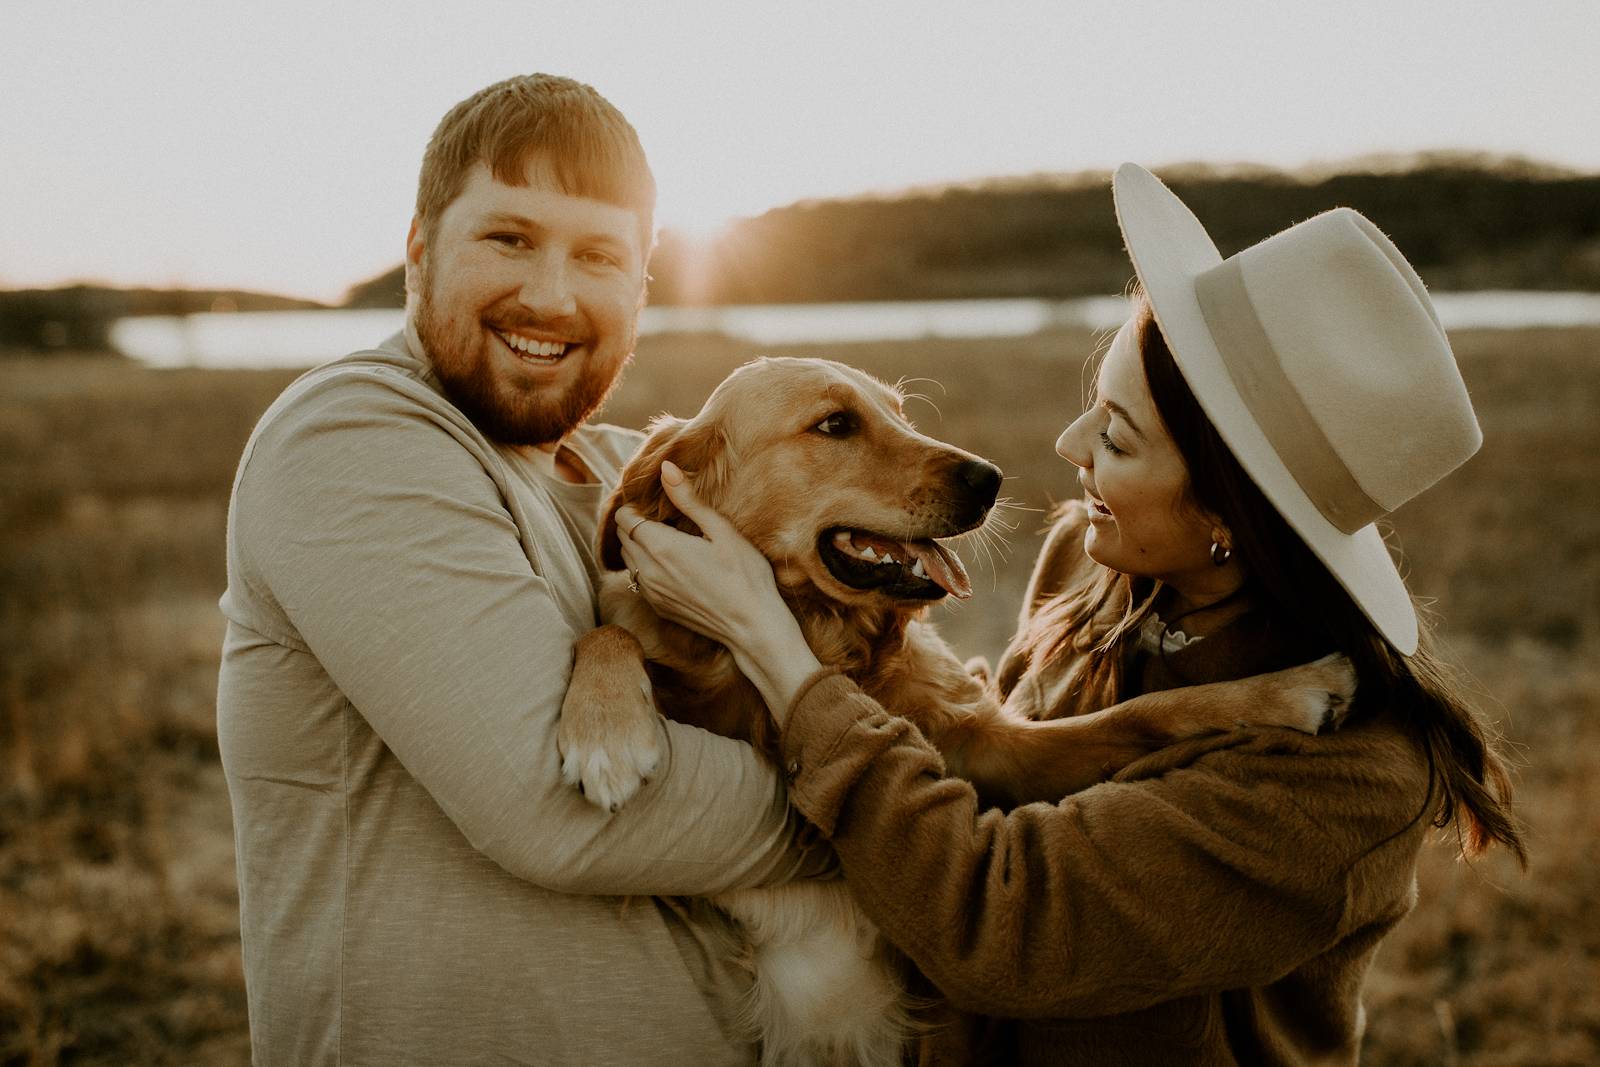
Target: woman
(1221, 900)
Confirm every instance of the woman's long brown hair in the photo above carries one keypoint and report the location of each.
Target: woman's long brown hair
(1469, 787)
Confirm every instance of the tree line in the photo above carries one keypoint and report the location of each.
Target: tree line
(1465, 222)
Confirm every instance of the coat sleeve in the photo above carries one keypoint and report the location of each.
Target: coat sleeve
(1211, 876)
(365, 522)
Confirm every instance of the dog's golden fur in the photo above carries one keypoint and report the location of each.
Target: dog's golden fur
(789, 450)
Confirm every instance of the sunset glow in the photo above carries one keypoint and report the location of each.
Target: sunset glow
(276, 148)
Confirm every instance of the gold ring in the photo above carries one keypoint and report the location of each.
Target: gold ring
(637, 523)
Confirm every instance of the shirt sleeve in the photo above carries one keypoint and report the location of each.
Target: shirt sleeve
(1210, 876)
(367, 523)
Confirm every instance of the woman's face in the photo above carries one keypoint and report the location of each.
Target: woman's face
(1141, 518)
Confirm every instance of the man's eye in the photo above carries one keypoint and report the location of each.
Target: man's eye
(508, 240)
(598, 258)
(838, 424)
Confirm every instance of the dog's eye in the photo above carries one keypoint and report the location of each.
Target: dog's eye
(838, 424)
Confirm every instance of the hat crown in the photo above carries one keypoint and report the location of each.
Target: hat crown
(1317, 356)
(1352, 333)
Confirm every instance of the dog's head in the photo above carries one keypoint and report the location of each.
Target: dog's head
(816, 463)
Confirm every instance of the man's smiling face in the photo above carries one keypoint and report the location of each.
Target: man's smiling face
(527, 302)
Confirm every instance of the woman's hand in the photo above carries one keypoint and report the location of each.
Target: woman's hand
(719, 585)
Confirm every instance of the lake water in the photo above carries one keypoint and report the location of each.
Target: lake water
(304, 338)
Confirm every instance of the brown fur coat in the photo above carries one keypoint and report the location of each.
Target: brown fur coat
(1218, 902)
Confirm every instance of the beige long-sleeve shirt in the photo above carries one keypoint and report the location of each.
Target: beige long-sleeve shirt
(416, 883)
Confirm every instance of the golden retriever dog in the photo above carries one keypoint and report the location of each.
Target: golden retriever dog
(817, 464)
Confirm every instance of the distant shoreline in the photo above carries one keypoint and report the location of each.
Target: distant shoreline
(305, 338)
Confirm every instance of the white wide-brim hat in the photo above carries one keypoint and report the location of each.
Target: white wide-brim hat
(1318, 357)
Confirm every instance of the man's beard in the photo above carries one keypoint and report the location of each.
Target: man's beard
(503, 412)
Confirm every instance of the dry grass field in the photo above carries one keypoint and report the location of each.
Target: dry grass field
(118, 928)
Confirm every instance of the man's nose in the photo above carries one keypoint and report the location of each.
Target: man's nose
(547, 288)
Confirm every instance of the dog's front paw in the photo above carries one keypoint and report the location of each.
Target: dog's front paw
(610, 737)
(1316, 696)
(611, 755)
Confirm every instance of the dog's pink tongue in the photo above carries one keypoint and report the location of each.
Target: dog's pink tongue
(943, 566)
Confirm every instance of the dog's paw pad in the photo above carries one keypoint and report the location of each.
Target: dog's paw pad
(1336, 705)
(1329, 685)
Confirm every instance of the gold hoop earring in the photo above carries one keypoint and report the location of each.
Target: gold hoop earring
(1220, 553)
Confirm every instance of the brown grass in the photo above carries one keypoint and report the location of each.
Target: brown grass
(118, 926)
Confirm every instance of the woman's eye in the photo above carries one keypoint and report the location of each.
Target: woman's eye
(837, 425)
(1105, 439)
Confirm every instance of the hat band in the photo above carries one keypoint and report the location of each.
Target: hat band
(1277, 406)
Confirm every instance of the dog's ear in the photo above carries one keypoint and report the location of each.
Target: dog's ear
(640, 485)
(700, 450)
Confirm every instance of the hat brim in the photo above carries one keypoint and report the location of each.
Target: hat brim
(1169, 249)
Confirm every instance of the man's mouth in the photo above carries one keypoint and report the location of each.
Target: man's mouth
(532, 349)
(910, 570)
(1096, 506)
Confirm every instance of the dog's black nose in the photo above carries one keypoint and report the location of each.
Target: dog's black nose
(982, 478)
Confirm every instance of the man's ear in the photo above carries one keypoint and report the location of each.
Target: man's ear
(414, 243)
(415, 246)
(700, 449)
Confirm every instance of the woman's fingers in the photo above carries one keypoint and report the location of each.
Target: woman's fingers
(681, 493)
(627, 520)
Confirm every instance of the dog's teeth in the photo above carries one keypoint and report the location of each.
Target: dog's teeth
(918, 571)
(868, 553)
(890, 559)
(841, 538)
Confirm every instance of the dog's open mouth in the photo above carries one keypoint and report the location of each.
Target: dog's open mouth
(912, 570)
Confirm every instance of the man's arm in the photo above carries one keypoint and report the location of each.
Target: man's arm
(371, 525)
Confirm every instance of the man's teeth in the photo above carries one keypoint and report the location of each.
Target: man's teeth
(529, 347)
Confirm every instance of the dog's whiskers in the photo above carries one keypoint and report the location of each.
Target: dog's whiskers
(922, 397)
(903, 382)
(900, 387)
(986, 540)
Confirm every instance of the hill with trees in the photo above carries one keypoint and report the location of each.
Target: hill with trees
(79, 317)
(1466, 221)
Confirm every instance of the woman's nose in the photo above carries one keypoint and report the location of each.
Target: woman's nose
(1070, 445)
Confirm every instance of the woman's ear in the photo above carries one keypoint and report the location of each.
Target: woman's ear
(1221, 542)
(699, 448)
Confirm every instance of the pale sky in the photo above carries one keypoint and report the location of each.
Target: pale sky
(275, 145)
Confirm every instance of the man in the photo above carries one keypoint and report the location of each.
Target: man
(409, 565)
